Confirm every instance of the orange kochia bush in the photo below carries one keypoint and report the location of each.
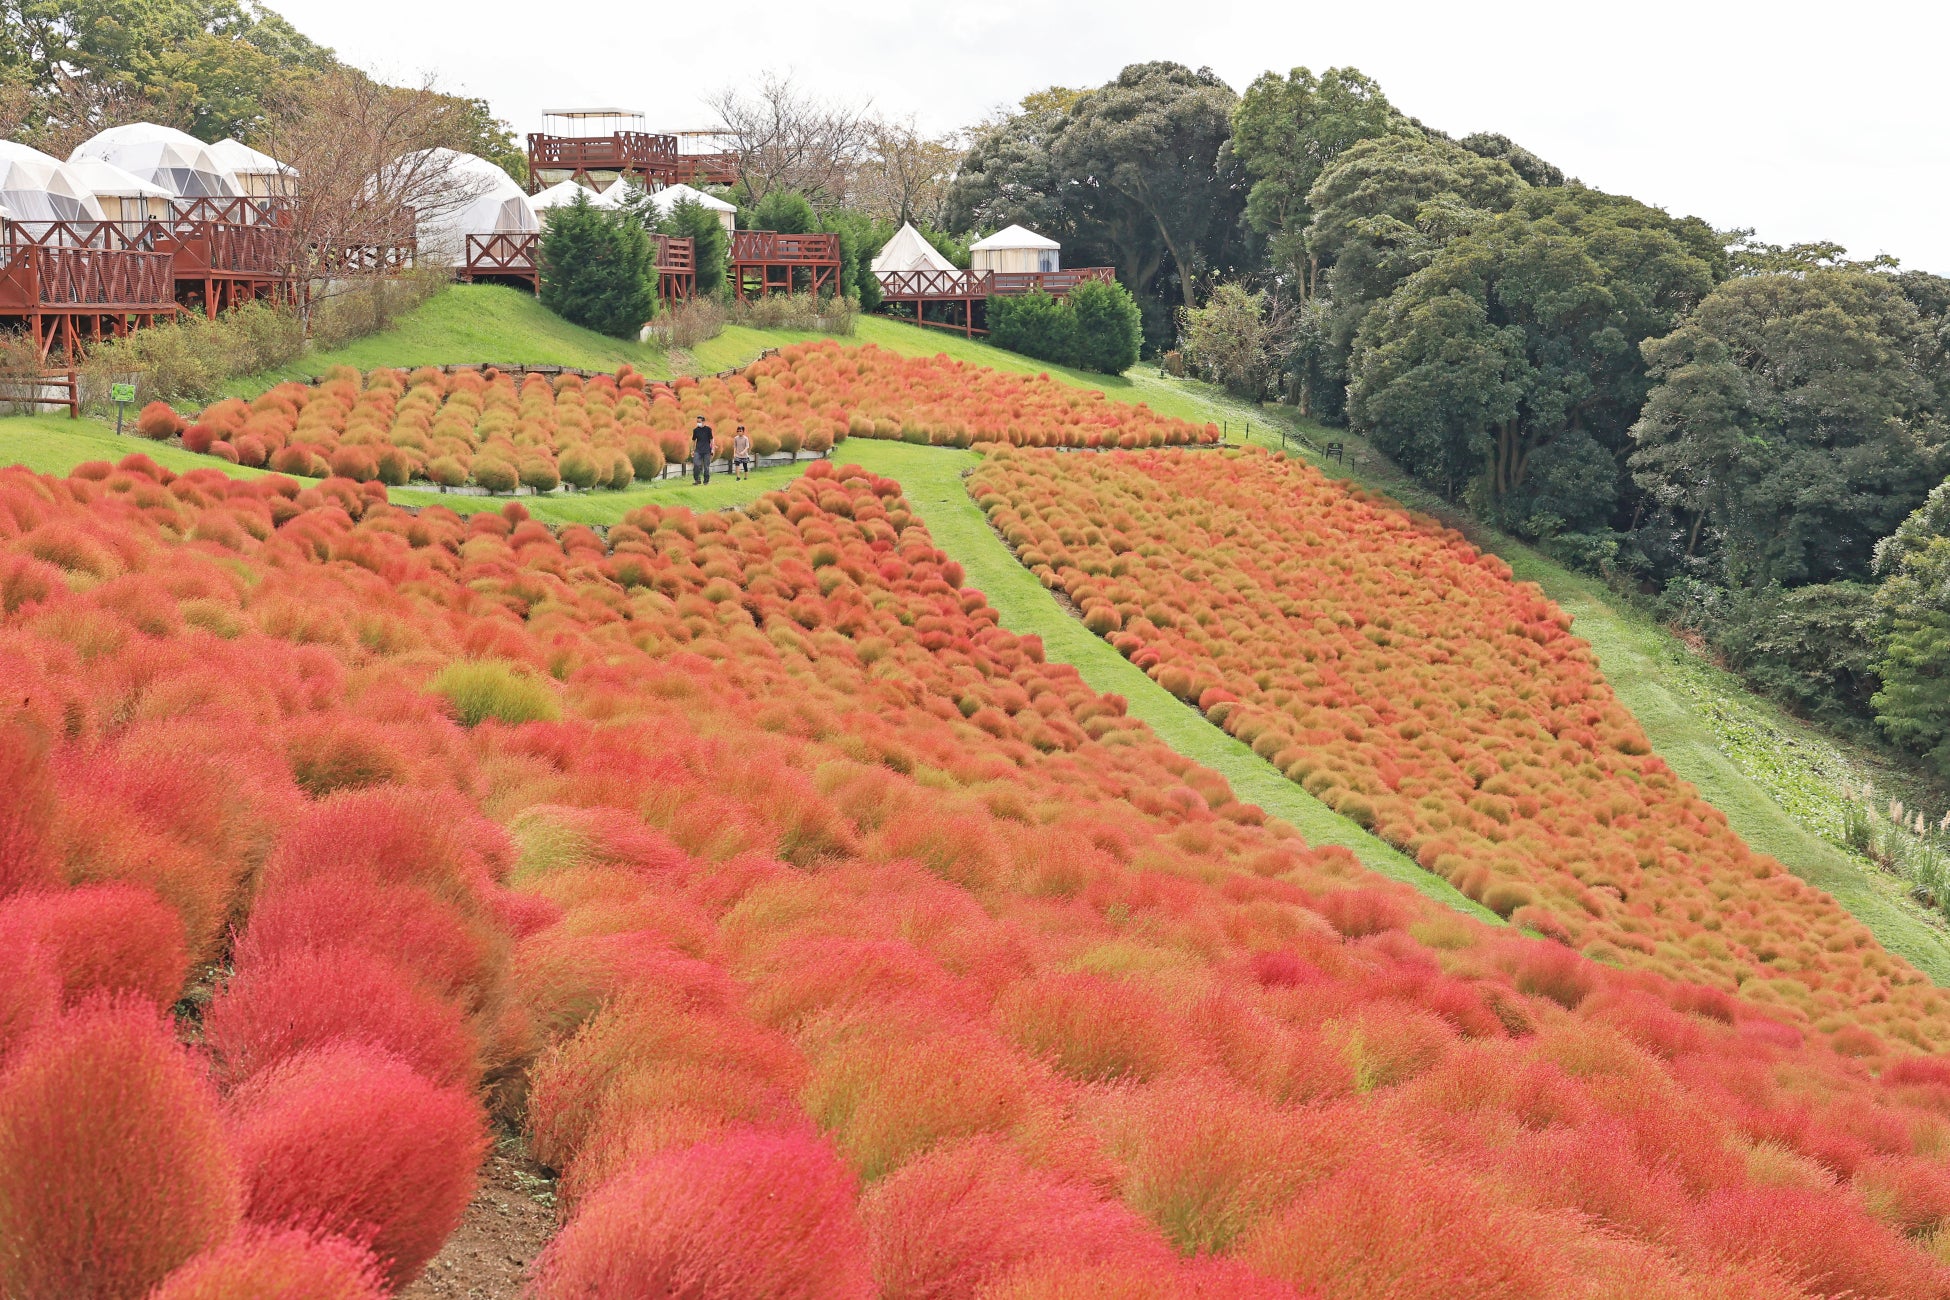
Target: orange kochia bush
(825, 936)
(1403, 678)
(499, 431)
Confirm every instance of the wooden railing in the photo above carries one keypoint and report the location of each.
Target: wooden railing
(53, 388)
(675, 255)
(502, 253)
(236, 212)
(204, 248)
(369, 259)
(707, 168)
(759, 247)
(82, 264)
(619, 151)
(1055, 283)
(925, 284)
(81, 234)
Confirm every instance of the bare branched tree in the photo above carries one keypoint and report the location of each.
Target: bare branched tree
(371, 162)
(787, 139)
(906, 174)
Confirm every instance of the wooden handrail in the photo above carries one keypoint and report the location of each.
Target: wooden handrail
(676, 254)
(927, 283)
(757, 247)
(1056, 283)
(502, 253)
(618, 151)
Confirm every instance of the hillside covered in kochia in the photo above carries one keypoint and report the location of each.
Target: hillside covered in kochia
(1401, 676)
(821, 936)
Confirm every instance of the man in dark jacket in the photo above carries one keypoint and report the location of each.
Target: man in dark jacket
(701, 452)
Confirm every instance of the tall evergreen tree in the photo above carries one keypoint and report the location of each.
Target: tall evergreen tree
(598, 269)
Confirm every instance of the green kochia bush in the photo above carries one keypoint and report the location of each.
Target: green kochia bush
(479, 689)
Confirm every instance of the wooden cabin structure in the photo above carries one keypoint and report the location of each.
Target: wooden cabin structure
(676, 268)
(961, 292)
(66, 283)
(227, 252)
(764, 261)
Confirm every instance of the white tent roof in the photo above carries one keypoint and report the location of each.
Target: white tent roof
(671, 195)
(1013, 237)
(908, 250)
(107, 181)
(239, 158)
(562, 194)
(483, 200)
(39, 187)
(162, 155)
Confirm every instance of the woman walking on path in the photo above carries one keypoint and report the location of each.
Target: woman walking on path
(741, 455)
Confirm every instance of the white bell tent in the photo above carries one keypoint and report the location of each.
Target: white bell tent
(259, 174)
(162, 155)
(671, 195)
(1015, 249)
(481, 200)
(125, 198)
(40, 187)
(909, 250)
(562, 194)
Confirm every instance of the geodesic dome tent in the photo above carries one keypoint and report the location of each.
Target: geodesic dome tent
(124, 196)
(259, 174)
(162, 155)
(482, 200)
(40, 187)
(1015, 248)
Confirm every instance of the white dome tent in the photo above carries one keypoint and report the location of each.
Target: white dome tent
(482, 200)
(259, 174)
(563, 194)
(909, 250)
(125, 198)
(1015, 249)
(162, 155)
(37, 187)
(671, 195)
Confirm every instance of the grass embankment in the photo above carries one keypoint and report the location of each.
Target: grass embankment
(55, 444)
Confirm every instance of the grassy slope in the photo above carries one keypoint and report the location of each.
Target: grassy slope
(54, 444)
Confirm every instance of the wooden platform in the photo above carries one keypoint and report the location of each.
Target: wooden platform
(965, 289)
(67, 283)
(230, 251)
(676, 268)
(651, 158)
(502, 258)
(764, 261)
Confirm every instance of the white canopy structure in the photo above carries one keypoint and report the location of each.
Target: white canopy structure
(909, 250)
(40, 187)
(1015, 249)
(482, 200)
(671, 195)
(562, 194)
(260, 175)
(124, 197)
(162, 155)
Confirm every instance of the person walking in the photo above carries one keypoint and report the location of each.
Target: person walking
(741, 455)
(701, 452)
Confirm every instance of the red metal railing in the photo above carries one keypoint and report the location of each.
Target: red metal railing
(619, 151)
(757, 247)
(501, 253)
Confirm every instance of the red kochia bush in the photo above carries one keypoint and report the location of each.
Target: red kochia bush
(102, 939)
(350, 1141)
(158, 421)
(309, 999)
(27, 806)
(277, 1264)
(113, 1168)
(751, 1214)
(424, 935)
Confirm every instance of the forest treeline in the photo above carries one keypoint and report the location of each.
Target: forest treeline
(1753, 435)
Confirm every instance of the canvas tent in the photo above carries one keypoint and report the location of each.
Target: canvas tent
(124, 198)
(162, 155)
(259, 174)
(1014, 249)
(671, 195)
(562, 194)
(40, 187)
(909, 250)
(482, 200)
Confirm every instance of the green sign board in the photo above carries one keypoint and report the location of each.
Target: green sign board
(121, 392)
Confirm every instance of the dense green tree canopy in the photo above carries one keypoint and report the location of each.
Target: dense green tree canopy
(598, 269)
(1510, 364)
(1796, 420)
(1288, 131)
(1911, 631)
(1534, 170)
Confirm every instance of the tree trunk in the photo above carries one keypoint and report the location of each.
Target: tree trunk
(1693, 539)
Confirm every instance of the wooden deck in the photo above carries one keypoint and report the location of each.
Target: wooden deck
(230, 251)
(707, 168)
(965, 289)
(502, 258)
(71, 282)
(764, 261)
(676, 268)
(553, 158)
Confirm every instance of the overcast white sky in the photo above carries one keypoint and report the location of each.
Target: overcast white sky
(1803, 121)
